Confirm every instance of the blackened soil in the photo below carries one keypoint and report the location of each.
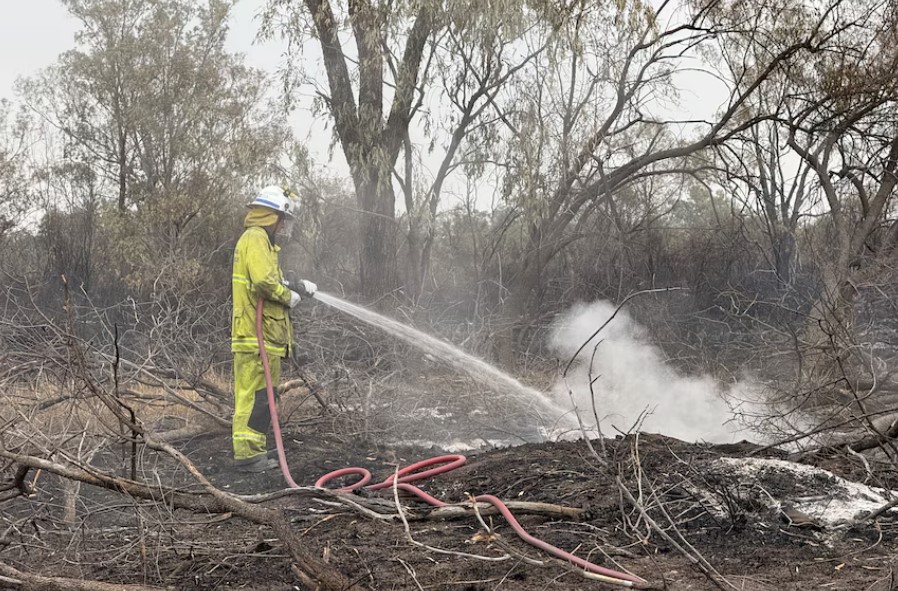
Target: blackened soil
(117, 539)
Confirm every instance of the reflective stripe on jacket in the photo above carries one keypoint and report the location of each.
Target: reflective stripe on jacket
(257, 274)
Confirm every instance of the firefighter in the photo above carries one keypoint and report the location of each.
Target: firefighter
(256, 275)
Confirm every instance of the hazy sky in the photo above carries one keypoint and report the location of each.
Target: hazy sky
(32, 34)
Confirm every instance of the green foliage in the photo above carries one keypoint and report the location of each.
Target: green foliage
(155, 101)
(164, 136)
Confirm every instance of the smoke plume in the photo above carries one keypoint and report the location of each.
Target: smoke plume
(633, 378)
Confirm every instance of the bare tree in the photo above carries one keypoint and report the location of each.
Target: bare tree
(842, 123)
(474, 68)
(579, 140)
(761, 171)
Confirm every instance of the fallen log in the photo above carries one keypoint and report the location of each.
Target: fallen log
(13, 578)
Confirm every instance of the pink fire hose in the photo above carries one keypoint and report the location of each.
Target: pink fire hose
(411, 473)
(272, 403)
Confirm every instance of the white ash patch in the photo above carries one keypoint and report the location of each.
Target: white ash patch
(829, 499)
(457, 445)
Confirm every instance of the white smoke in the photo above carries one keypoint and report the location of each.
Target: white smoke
(633, 378)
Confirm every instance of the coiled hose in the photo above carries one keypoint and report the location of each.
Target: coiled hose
(410, 474)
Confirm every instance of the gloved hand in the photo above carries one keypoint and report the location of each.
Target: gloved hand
(294, 298)
(308, 287)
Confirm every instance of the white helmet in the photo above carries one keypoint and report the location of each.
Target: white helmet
(277, 198)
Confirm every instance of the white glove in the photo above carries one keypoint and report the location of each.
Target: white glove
(294, 298)
(309, 287)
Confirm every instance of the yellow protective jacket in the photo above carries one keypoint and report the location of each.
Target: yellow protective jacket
(257, 274)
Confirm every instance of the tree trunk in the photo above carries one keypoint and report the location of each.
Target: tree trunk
(420, 246)
(525, 302)
(377, 248)
(122, 172)
(784, 253)
(370, 143)
(415, 264)
(829, 332)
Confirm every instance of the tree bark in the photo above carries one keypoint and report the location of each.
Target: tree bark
(378, 271)
(371, 141)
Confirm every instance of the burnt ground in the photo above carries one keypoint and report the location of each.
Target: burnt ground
(117, 539)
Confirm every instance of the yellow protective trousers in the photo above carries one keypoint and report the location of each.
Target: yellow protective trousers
(252, 417)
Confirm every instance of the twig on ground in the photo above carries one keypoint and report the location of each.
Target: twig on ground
(414, 542)
(411, 573)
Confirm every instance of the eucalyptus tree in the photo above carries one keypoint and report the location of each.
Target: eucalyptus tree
(462, 124)
(170, 126)
(406, 60)
(834, 120)
(820, 170)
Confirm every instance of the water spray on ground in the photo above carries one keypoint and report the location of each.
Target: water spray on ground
(630, 377)
(548, 415)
